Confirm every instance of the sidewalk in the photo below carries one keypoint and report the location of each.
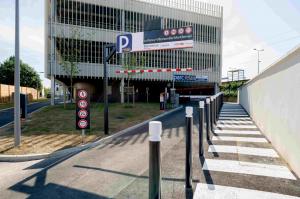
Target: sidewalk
(240, 163)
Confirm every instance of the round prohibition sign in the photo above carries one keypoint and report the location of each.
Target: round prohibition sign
(82, 114)
(82, 104)
(82, 124)
(82, 94)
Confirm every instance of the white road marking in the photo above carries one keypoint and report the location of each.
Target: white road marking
(234, 118)
(243, 150)
(234, 112)
(235, 122)
(239, 139)
(234, 115)
(233, 166)
(237, 126)
(237, 132)
(210, 191)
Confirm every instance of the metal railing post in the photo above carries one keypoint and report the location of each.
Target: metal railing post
(215, 109)
(212, 114)
(207, 114)
(188, 147)
(201, 124)
(155, 130)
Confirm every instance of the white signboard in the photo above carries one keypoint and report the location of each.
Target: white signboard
(175, 38)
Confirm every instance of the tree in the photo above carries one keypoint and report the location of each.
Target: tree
(131, 62)
(28, 76)
(70, 55)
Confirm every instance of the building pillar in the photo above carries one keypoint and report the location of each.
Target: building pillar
(216, 88)
(52, 90)
(122, 90)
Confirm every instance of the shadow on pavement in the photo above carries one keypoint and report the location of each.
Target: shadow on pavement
(206, 173)
(131, 175)
(40, 189)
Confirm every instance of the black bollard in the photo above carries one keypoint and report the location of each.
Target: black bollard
(207, 113)
(155, 129)
(212, 114)
(201, 124)
(215, 110)
(188, 147)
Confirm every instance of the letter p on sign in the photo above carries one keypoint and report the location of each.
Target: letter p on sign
(124, 43)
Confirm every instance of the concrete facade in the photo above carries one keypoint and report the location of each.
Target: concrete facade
(272, 100)
(89, 24)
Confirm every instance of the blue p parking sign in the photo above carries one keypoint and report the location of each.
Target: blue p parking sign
(124, 43)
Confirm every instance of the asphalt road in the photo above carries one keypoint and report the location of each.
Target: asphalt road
(100, 172)
(7, 115)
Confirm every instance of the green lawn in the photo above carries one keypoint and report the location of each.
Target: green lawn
(53, 127)
(59, 120)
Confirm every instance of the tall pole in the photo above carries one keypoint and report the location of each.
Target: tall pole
(258, 58)
(17, 122)
(105, 82)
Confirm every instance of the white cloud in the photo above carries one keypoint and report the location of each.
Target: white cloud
(31, 38)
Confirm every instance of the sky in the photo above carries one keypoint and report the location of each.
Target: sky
(272, 25)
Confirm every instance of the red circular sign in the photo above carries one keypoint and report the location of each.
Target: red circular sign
(188, 30)
(82, 94)
(82, 124)
(180, 31)
(82, 114)
(82, 104)
(173, 32)
(166, 32)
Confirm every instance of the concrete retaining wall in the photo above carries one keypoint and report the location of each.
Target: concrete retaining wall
(273, 101)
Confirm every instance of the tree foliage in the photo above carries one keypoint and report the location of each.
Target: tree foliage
(230, 88)
(28, 76)
(69, 56)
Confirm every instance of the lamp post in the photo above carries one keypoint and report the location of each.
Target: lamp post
(258, 61)
(17, 122)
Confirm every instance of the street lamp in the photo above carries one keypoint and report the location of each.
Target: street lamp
(258, 61)
(17, 122)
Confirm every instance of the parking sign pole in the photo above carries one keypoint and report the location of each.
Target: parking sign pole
(105, 82)
(106, 57)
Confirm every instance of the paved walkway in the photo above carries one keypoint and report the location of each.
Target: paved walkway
(104, 172)
(241, 163)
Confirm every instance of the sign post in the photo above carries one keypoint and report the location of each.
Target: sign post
(82, 111)
(108, 51)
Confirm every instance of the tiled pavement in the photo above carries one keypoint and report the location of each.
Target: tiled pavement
(240, 163)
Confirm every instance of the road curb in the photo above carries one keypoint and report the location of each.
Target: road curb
(65, 152)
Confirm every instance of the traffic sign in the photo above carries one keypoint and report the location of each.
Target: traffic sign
(82, 94)
(82, 114)
(82, 110)
(82, 124)
(82, 104)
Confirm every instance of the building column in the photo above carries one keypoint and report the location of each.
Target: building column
(122, 90)
(216, 88)
(52, 90)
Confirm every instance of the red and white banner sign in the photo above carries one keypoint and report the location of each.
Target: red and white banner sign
(155, 70)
